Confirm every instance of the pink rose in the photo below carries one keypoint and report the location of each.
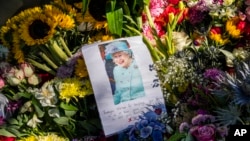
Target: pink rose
(204, 132)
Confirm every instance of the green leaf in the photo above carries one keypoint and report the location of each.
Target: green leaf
(4, 132)
(85, 4)
(189, 137)
(115, 18)
(13, 121)
(228, 54)
(68, 107)
(26, 95)
(62, 120)
(69, 113)
(177, 137)
(39, 112)
(14, 131)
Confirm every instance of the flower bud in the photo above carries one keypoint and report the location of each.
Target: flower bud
(34, 80)
(27, 69)
(19, 74)
(171, 17)
(12, 80)
(181, 5)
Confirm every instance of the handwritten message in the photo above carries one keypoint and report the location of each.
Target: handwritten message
(130, 111)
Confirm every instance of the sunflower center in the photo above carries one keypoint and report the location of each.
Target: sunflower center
(39, 29)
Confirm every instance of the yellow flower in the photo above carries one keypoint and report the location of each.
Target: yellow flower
(51, 137)
(3, 36)
(74, 88)
(63, 20)
(218, 39)
(80, 68)
(69, 9)
(16, 50)
(37, 29)
(30, 138)
(88, 18)
(232, 29)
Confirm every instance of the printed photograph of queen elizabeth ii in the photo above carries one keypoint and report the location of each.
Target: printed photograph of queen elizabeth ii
(123, 72)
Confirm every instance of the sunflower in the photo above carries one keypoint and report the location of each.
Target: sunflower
(64, 21)
(16, 50)
(37, 29)
(4, 35)
(69, 9)
(13, 23)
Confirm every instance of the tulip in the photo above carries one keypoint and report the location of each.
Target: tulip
(27, 69)
(12, 80)
(19, 74)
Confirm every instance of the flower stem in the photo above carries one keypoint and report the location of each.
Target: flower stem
(56, 50)
(48, 60)
(41, 66)
(65, 47)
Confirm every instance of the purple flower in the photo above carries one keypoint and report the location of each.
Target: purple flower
(213, 74)
(184, 127)
(202, 119)
(203, 112)
(223, 131)
(204, 132)
(64, 71)
(197, 13)
(2, 120)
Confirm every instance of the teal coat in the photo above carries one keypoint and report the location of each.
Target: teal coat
(128, 82)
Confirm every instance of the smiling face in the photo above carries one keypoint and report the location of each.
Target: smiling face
(122, 59)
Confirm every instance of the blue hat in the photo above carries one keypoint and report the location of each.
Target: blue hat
(116, 47)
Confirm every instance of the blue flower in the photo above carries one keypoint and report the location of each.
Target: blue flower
(146, 131)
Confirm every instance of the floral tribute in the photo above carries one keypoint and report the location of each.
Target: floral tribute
(200, 50)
